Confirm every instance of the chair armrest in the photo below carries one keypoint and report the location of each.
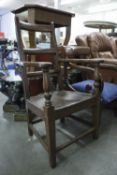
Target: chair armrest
(86, 65)
(34, 64)
(31, 65)
(44, 73)
(110, 61)
(83, 61)
(82, 68)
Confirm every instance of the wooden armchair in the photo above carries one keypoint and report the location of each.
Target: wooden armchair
(57, 101)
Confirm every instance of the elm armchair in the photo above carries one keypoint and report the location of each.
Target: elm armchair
(56, 101)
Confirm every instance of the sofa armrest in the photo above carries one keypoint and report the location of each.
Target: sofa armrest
(77, 51)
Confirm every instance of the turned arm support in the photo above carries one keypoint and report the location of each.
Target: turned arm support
(86, 65)
(38, 65)
(43, 72)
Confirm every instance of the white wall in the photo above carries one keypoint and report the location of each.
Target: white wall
(0, 23)
(8, 26)
(78, 27)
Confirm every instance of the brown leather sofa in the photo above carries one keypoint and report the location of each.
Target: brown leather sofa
(98, 45)
(94, 45)
(77, 51)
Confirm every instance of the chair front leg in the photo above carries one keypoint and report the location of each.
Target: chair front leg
(96, 118)
(29, 119)
(50, 134)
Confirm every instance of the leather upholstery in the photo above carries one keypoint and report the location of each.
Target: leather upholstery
(78, 51)
(82, 40)
(113, 41)
(100, 45)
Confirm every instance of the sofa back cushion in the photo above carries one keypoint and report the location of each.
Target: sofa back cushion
(81, 40)
(100, 45)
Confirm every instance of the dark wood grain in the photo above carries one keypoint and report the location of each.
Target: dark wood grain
(56, 101)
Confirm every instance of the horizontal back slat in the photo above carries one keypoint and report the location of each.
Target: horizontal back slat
(35, 27)
(36, 51)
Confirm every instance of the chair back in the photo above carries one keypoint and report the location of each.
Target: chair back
(30, 54)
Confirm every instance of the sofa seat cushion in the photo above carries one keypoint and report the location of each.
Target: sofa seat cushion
(99, 42)
(109, 92)
(106, 54)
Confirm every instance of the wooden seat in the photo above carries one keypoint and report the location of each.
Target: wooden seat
(56, 101)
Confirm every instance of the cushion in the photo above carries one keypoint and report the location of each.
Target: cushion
(11, 66)
(109, 92)
(106, 54)
(81, 86)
